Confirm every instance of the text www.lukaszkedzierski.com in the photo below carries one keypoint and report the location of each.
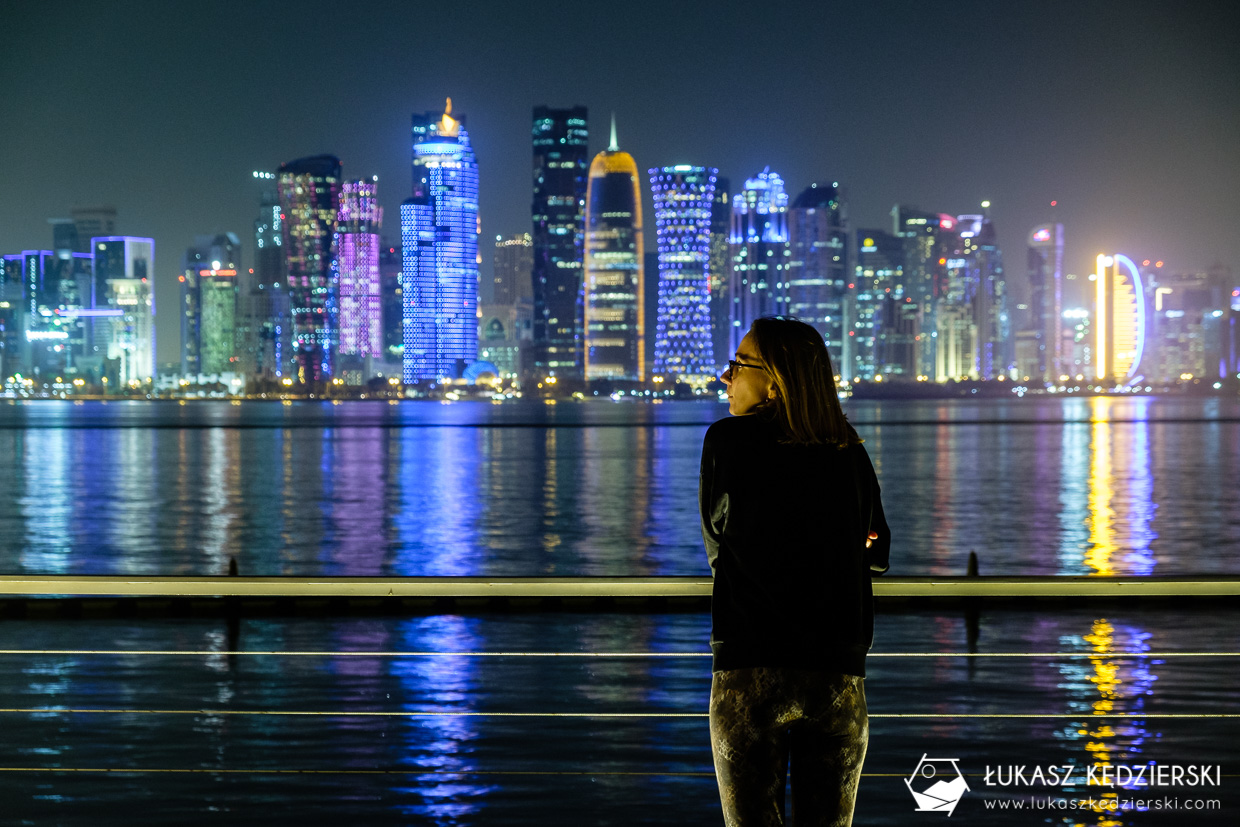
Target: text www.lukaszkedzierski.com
(1037, 802)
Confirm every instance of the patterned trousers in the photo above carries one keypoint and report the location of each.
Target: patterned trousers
(762, 717)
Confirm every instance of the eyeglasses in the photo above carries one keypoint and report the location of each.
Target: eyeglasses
(733, 365)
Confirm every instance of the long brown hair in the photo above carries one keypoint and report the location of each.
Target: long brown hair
(806, 403)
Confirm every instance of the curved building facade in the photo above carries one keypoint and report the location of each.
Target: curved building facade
(614, 318)
(1119, 319)
(683, 197)
(309, 191)
(439, 237)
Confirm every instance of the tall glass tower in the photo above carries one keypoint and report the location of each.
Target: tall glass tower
(758, 244)
(209, 304)
(614, 316)
(682, 212)
(439, 245)
(309, 190)
(821, 262)
(561, 161)
(361, 311)
(1046, 306)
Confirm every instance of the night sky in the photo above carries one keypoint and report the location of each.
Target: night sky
(1126, 113)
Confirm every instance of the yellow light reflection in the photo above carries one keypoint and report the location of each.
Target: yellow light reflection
(1106, 679)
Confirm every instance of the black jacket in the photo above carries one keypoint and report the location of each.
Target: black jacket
(785, 529)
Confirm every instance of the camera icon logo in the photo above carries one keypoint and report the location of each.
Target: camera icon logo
(937, 784)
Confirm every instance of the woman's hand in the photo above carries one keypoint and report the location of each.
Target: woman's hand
(869, 541)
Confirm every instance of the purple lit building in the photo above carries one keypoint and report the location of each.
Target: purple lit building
(361, 308)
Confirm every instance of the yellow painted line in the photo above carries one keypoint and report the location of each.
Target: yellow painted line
(463, 714)
(422, 654)
(588, 587)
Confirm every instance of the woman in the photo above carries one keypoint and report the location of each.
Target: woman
(793, 528)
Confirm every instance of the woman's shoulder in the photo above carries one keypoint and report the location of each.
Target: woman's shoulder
(734, 427)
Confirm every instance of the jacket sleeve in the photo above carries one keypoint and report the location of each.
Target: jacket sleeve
(878, 554)
(710, 502)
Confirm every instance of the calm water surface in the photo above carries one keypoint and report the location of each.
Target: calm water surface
(1074, 486)
(410, 718)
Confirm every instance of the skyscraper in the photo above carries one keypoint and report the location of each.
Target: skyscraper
(514, 262)
(561, 159)
(1046, 304)
(265, 325)
(439, 244)
(758, 247)
(926, 240)
(820, 263)
(614, 315)
(361, 311)
(1119, 321)
(309, 190)
(972, 337)
(125, 266)
(683, 196)
(883, 325)
(209, 287)
(720, 273)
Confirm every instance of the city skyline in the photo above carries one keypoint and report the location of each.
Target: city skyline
(1011, 111)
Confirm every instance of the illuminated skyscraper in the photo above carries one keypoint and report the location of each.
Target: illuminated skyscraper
(265, 325)
(883, 320)
(682, 211)
(926, 244)
(561, 159)
(514, 262)
(758, 246)
(820, 264)
(309, 190)
(972, 330)
(209, 287)
(614, 316)
(720, 272)
(1119, 320)
(361, 311)
(439, 245)
(126, 266)
(1046, 304)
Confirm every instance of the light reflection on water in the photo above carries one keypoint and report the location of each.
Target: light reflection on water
(1100, 486)
(574, 770)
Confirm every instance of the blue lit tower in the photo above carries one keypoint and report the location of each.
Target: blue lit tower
(614, 317)
(758, 247)
(439, 244)
(561, 165)
(682, 211)
(720, 270)
(820, 264)
(309, 190)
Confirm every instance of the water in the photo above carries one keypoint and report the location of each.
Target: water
(102, 723)
(1131, 486)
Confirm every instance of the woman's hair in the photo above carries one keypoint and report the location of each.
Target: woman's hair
(806, 404)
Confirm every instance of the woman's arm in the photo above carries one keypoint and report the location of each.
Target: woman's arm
(709, 502)
(878, 546)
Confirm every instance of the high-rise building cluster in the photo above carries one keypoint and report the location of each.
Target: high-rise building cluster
(576, 298)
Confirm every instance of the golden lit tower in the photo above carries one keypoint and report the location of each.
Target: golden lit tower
(1119, 319)
(613, 273)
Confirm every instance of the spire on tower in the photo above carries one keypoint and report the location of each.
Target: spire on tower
(615, 147)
